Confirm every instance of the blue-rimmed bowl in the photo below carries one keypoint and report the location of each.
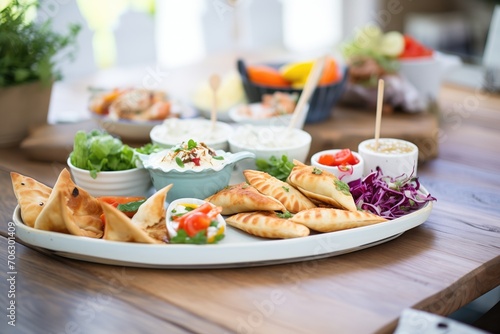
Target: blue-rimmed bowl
(192, 183)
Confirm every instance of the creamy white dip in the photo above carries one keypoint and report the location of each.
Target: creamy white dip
(189, 155)
(176, 130)
(262, 137)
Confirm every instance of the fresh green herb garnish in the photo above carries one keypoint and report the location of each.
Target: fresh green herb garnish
(98, 151)
(286, 189)
(148, 149)
(218, 157)
(279, 168)
(284, 215)
(179, 162)
(214, 223)
(317, 171)
(192, 144)
(199, 239)
(342, 187)
(131, 206)
(183, 238)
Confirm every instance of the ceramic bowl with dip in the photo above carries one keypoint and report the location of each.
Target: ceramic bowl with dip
(129, 182)
(346, 172)
(268, 141)
(195, 170)
(173, 131)
(395, 157)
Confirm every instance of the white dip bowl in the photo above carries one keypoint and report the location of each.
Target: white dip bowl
(173, 131)
(267, 141)
(395, 157)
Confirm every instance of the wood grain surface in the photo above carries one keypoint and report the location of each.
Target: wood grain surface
(445, 263)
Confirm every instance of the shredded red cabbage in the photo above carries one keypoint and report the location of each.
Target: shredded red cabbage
(388, 197)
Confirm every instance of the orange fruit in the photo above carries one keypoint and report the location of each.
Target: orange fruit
(331, 72)
(266, 76)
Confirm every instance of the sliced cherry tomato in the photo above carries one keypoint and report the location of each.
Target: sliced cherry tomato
(345, 157)
(204, 208)
(195, 223)
(327, 160)
(342, 157)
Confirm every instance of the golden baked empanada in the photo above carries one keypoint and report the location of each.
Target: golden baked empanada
(31, 196)
(243, 197)
(293, 200)
(70, 209)
(151, 215)
(119, 227)
(323, 186)
(328, 219)
(267, 224)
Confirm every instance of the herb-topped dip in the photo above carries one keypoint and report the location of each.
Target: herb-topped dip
(190, 155)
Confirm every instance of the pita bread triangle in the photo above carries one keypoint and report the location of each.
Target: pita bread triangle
(31, 196)
(119, 227)
(71, 209)
(151, 215)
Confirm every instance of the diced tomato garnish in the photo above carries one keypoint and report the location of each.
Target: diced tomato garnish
(196, 161)
(117, 200)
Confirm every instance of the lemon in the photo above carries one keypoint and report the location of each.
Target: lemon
(392, 44)
(296, 72)
(368, 37)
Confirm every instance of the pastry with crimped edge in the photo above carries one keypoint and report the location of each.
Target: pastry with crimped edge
(322, 186)
(293, 200)
(329, 220)
(243, 197)
(267, 224)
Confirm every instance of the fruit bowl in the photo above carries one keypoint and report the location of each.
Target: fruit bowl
(321, 104)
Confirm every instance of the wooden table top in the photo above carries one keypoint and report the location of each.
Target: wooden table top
(451, 259)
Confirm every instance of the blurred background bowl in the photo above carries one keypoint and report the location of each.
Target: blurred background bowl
(322, 101)
(346, 175)
(130, 182)
(255, 116)
(268, 141)
(174, 131)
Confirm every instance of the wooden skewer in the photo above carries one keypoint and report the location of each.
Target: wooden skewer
(310, 86)
(380, 103)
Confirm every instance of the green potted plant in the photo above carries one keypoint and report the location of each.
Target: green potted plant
(29, 54)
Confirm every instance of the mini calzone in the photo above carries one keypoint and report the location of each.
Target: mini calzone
(70, 209)
(322, 186)
(329, 220)
(31, 196)
(267, 224)
(151, 215)
(293, 200)
(119, 227)
(243, 197)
